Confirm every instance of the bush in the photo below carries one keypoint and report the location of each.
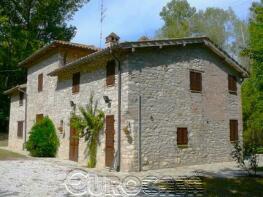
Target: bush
(246, 157)
(43, 140)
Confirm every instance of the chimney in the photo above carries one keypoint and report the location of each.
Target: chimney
(112, 39)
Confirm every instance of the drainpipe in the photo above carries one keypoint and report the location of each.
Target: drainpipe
(119, 112)
(24, 92)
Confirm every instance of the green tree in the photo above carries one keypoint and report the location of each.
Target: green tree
(221, 26)
(176, 16)
(89, 125)
(25, 26)
(252, 89)
(43, 140)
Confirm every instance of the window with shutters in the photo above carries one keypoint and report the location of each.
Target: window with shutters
(20, 128)
(195, 81)
(75, 83)
(40, 82)
(182, 136)
(233, 130)
(110, 73)
(39, 117)
(232, 84)
(21, 98)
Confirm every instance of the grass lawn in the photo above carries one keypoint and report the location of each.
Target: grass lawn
(8, 155)
(242, 186)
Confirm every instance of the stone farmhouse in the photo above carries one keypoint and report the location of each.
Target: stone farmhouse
(167, 103)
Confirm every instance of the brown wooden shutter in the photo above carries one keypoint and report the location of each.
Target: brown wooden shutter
(195, 81)
(40, 82)
(39, 117)
(233, 130)
(20, 128)
(110, 73)
(21, 98)
(232, 84)
(182, 136)
(75, 82)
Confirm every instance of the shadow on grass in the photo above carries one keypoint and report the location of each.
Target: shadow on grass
(8, 155)
(240, 186)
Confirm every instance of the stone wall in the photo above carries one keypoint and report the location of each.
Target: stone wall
(17, 113)
(161, 77)
(54, 101)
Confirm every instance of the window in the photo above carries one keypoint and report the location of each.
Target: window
(232, 84)
(21, 98)
(40, 82)
(182, 136)
(75, 82)
(110, 73)
(233, 130)
(195, 81)
(20, 126)
(39, 117)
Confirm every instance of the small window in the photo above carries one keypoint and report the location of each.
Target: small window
(20, 128)
(40, 82)
(182, 136)
(75, 83)
(21, 98)
(232, 84)
(39, 117)
(110, 73)
(233, 130)
(195, 81)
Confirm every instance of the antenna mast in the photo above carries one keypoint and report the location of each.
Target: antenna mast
(102, 16)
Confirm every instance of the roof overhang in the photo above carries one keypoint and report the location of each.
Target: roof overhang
(15, 89)
(156, 43)
(54, 46)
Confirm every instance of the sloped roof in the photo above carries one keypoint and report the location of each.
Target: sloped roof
(157, 43)
(15, 89)
(53, 45)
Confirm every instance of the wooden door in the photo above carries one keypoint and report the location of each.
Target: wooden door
(73, 145)
(109, 149)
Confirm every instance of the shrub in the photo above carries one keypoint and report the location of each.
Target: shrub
(246, 157)
(43, 140)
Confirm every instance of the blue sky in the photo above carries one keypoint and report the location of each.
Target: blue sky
(131, 19)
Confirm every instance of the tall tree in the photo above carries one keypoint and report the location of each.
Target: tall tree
(222, 26)
(252, 90)
(25, 26)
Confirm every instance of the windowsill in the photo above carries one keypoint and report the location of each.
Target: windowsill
(232, 92)
(182, 146)
(108, 86)
(75, 93)
(233, 142)
(196, 91)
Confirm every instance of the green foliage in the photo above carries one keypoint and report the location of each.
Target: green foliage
(89, 125)
(43, 140)
(252, 89)
(25, 26)
(221, 26)
(249, 153)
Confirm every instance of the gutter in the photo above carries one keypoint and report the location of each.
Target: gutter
(119, 111)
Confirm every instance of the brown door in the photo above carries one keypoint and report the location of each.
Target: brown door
(109, 150)
(73, 145)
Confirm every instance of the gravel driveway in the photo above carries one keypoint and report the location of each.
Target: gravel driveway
(46, 176)
(34, 177)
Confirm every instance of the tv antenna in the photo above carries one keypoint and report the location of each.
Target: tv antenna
(102, 16)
